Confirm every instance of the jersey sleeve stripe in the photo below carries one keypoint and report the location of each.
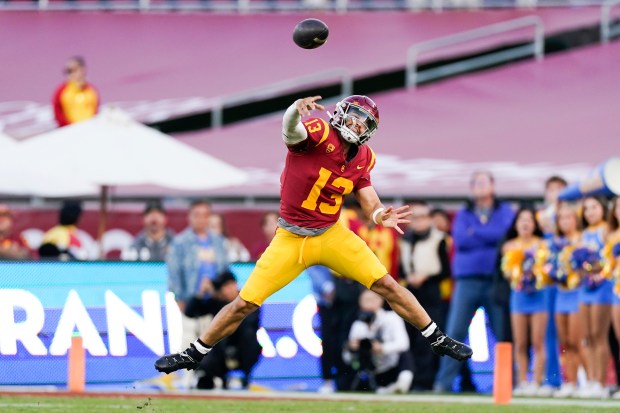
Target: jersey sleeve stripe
(372, 160)
(325, 132)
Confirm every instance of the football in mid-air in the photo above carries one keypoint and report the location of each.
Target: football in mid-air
(310, 33)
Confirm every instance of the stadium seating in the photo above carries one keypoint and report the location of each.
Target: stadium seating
(510, 117)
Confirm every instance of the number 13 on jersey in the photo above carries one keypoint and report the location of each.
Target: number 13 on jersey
(312, 200)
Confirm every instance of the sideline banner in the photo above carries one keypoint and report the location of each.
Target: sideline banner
(127, 320)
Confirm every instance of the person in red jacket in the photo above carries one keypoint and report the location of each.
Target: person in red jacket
(76, 99)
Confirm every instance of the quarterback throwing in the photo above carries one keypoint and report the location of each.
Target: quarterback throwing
(326, 160)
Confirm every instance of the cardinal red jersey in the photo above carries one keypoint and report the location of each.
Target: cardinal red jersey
(317, 176)
(73, 103)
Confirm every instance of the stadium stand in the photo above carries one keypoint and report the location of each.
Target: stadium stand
(155, 79)
(421, 154)
(244, 48)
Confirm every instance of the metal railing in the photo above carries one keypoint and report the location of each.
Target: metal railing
(607, 30)
(279, 89)
(536, 48)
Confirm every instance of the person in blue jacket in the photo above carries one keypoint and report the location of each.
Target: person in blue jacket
(478, 231)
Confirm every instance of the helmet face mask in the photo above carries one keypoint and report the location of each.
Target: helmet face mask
(356, 118)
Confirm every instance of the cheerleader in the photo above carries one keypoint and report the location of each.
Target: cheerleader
(612, 266)
(567, 319)
(528, 307)
(595, 296)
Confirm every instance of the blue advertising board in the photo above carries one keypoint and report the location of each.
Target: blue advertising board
(127, 319)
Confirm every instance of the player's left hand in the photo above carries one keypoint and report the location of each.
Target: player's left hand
(391, 217)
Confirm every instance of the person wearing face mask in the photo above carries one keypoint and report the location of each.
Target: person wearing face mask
(425, 263)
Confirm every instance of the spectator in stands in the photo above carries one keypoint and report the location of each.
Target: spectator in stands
(236, 251)
(478, 231)
(441, 220)
(12, 247)
(151, 244)
(425, 262)
(378, 348)
(62, 241)
(595, 297)
(76, 99)
(268, 224)
(195, 257)
(239, 351)
(528, 307)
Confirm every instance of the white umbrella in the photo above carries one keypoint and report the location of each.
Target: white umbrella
(112, 149)
(22, 176)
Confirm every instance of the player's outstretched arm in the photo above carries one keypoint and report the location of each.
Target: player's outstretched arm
(373, 208)
(293, 132)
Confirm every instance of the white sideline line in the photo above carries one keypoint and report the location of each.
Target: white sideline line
(408, 398)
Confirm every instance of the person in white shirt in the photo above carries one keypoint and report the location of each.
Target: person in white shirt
(378, 347)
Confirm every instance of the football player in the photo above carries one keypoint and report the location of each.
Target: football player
(326, 160)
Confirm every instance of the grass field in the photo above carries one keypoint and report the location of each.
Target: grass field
(36, 404)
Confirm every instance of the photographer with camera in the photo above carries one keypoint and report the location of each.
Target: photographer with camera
(239, 351)
(378, 348)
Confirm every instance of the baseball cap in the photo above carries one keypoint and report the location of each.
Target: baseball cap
(154, 206)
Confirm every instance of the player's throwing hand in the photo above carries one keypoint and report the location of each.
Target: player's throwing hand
(305, 105)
